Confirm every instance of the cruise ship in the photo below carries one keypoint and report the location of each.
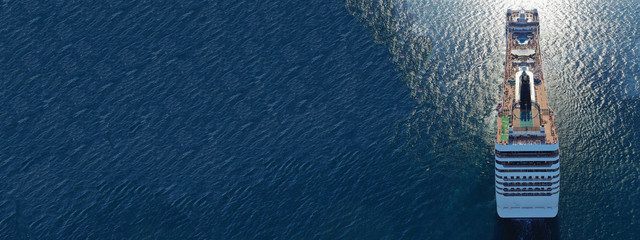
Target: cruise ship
(526, 150)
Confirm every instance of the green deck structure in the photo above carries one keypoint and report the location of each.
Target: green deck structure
(504, 132)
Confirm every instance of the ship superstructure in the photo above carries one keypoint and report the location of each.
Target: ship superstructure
(527, 165)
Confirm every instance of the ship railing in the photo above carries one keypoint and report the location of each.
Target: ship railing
(528, 163)
(527, 170)
(527, 166)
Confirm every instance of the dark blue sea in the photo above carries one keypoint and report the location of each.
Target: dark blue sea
(317, 119)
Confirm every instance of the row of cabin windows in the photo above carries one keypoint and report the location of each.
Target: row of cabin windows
(530, 177)
(527, 194)
(527, 170)
(517, 184)
(526, 189)
(532, 163)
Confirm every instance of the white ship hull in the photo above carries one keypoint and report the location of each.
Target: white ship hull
(527, 187)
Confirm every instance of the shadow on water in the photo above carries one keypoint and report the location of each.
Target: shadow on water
(536, 228)
(410, 49)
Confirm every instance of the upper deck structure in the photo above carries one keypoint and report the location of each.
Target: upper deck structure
(525, 116)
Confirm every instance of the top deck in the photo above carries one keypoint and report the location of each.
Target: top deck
(525, 116)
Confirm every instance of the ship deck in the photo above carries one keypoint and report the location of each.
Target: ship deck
(518, 125)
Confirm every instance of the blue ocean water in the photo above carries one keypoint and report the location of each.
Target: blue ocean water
(302, 119)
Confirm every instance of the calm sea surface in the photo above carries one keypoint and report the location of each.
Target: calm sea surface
(319, 119)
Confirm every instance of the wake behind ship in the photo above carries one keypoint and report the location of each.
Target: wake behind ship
(527, 155)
